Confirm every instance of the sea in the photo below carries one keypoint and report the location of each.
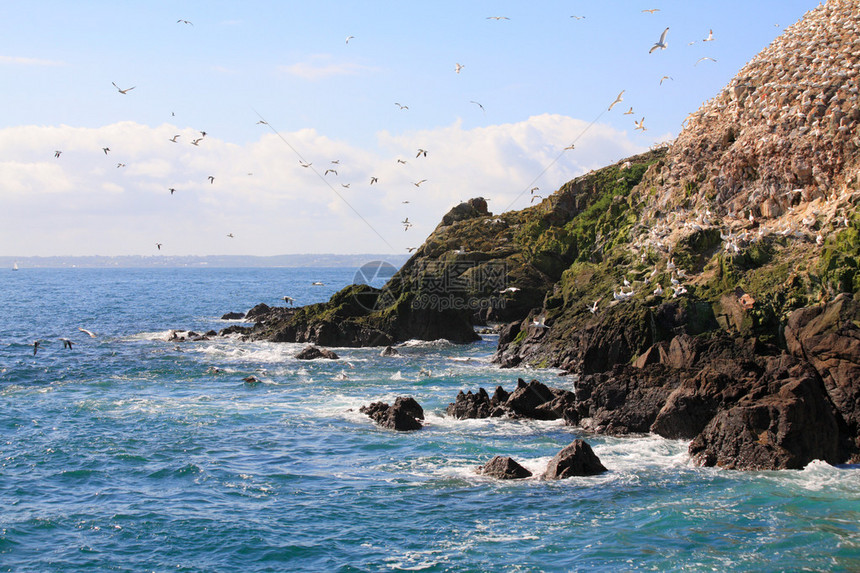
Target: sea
(134, 452)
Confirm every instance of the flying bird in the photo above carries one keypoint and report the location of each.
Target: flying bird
(348, 38)
(373, 180)
(345, 185)
(303, 164)
(479, 105)
(158, 245)
(666, 78)
(618, 99)
(35, 347)
(174, 138)
(629, 111)
(536, 197)
(578, 17)
(196, 141)
(57, 153)
(458, 67)
(570, 147)
(422, 152)
(87, 332)
(401, 161)
(327, 171)
(640, 124)
(106, 149)
(418, 183)
(406, 224)
(289, 300)
(66, 343)
(660, 43)
(651, 10)
(211, 179)
(202, 134)
(123, 91)
(172, 190)
(230, 235)
(533, 189)
(702, 59)
(262, 122)
(410, 249)
(181, 21)
(401, 106)
(118, 165)
(497, 18)
(710, 37)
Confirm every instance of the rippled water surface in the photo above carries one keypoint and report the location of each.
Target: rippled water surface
(130, 453)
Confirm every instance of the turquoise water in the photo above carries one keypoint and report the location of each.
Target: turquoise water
(128, 453)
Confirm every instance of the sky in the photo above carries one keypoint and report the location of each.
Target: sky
(304, 103)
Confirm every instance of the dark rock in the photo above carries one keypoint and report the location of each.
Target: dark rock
(389, 351)
(233, 316)
(313, 352)
(785, 429)
(501, 467)
(236, 329)
(828, 337)
(467, 210)
(259, 311)
(576, 459)
(405, 415)
(535, 400)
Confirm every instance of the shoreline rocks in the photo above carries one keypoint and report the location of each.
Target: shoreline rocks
(405, 415)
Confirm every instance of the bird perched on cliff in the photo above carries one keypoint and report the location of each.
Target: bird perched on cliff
(658, 291)
(540, 322)
(618, 99)
(593, 307)
(661, 43)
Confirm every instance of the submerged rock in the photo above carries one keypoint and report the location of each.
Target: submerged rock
(313, 352)
(501, 467)
(405, 415)
(576, 459)
(233, 316)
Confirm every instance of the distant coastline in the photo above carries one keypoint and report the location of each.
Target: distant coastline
(208, 261)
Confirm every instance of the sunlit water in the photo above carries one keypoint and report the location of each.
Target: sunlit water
(127, 453)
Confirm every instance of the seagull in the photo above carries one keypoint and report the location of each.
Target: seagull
(405, 202)
(618, 99)
(335, 161)
(289, 300)
(85, 331)
(458, 67)
(123, 91)
(651, 10)
(196, 141)
(57, 153)
(373, 180)
(401, 106)
(705, 58)
(629, 111)
(172, 190)
(230, 235)
(536, 197)
(710, 37)
(181, 21)
(418, 184)
(578, 17)
(569, 147)
(661, 43)
(626, 282)
(211, 179)
(67, 343)
(510, 289)
(497, 18)
(345, 185)
(348, 38)
(421, 152)
(666, 78)
(640, 124)
(174, 138)
(106, 149)
(406, 224)
(118, 165)
(158, 245)
(533, 189)
(410, 249)
(327, 171)
(658, 291)
(35, 347)
(401, 161)
(202, 134)
(593, 308)
(317, 283)
(303, 164)
(540, 322)
(479, 105)
(263, 122)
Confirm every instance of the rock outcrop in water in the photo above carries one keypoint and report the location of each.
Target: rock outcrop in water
(405, 415)
(740, 243)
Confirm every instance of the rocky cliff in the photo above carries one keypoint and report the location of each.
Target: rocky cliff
(705, 290)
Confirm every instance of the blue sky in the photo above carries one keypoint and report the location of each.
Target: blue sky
(544, 79)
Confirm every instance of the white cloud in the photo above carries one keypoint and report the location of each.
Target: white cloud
(29, 61)
(263, 195)
(321, 66)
